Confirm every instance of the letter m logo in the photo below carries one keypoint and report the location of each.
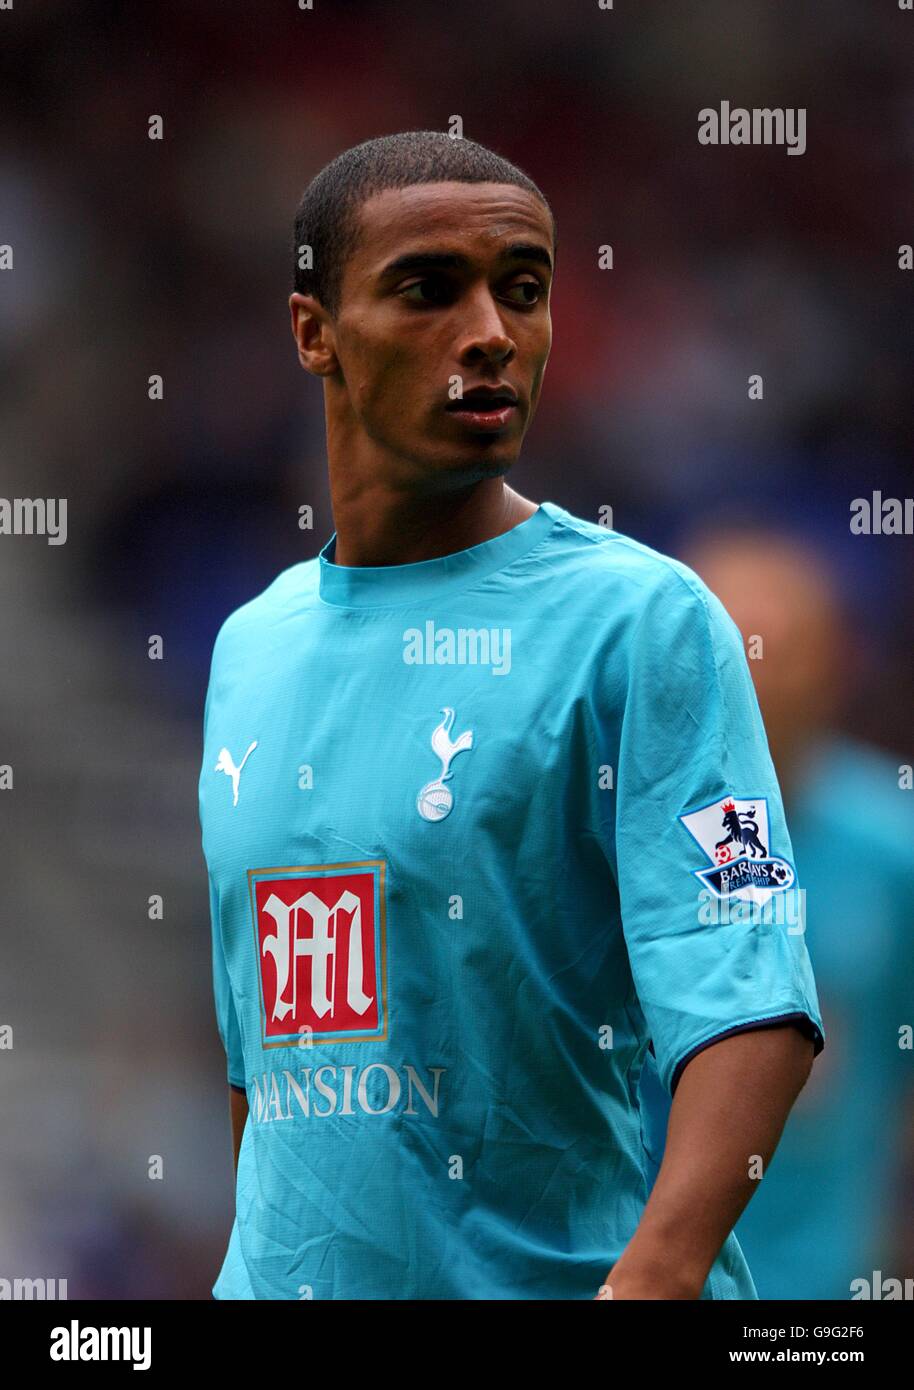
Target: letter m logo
(321, 956)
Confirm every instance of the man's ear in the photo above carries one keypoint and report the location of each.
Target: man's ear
(312, 329)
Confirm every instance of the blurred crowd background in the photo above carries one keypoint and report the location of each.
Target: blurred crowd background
(134, 257)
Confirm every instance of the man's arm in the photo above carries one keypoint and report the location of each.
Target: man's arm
(238, 1107)
(731, 1103)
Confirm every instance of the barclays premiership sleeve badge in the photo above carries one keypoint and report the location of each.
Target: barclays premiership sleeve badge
(734, 835)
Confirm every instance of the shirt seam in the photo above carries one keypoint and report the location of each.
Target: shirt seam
(744, 1025)
(419, 598)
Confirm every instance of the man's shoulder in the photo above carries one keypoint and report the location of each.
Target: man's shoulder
(291, 591)
(603, 558)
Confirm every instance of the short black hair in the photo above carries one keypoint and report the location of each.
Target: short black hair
(327, 219)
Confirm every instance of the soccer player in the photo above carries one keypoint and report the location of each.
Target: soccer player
(488, 811)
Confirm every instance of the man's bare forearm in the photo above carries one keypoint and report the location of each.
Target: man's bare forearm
(728, 1112)
(238, 1108)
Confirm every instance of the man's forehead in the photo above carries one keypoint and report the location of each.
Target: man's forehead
(458, 210)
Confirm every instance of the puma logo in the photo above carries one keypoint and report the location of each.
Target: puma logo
(226, 764)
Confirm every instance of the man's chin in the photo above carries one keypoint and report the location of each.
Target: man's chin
(452, 464)
(488, 455)
(476, 466)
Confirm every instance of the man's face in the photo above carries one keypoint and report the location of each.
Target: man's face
(448, 281)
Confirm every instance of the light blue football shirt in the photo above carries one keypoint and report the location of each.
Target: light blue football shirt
(463, 820)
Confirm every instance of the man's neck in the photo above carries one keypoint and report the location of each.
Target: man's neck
(378, 526)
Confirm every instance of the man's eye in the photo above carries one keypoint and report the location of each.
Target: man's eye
(524, 292)
(426, 291)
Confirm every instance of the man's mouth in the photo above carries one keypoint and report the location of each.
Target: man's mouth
(485, 408)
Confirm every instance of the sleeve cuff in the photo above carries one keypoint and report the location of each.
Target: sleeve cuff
(802, 1020)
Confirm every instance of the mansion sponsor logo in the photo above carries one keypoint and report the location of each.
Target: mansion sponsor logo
(320, 930)
(75, 1343)
(761, 125)
(38, 1290)
(319, 1092)
(462, 646)
(34, 516)
(882, 516)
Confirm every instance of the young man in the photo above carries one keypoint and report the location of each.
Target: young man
(481, 783)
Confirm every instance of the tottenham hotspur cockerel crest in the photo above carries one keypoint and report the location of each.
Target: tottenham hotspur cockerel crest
(734, 835)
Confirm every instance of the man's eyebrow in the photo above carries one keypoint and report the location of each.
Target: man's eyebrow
(453, 260)
(426, 260)
(526, 251)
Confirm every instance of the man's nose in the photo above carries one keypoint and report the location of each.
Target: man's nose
(487, 337)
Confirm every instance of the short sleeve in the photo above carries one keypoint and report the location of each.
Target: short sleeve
(226, 1017)
(711, 908)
